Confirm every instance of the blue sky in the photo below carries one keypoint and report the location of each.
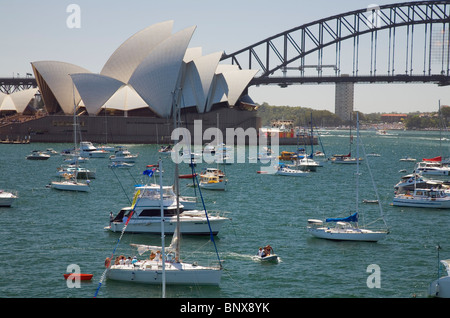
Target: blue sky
(37, 30)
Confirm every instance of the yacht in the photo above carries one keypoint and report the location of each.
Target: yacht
(432, 168)
(423, 198)
(123, 155)
(37, 155)
(144, 216)
(87, 149)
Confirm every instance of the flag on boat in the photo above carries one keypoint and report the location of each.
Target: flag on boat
(148, 172)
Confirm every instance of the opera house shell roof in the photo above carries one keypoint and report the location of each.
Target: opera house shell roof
(153, 70)
(17, 101)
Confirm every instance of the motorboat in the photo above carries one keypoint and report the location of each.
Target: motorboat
(411, 181)
(287, 156)
(423, 198)
(120, 165)
(69, 182)
(7, 198)
(123, 155)
(37, 155)
(144, 215)
(87, 149)
(344, 159)
(50, 151)
(407, 159)
(283, 170)
(307, 164)
(79, 172)
(432, 168)
(266, 254)
(79, 276)
(212, 182)
(267, 155)
(166, 150)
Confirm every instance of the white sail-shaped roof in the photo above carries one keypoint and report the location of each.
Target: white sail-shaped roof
(237, 81)
(57, 79)
(7, 104)
(125, 99)
(132, 52)
(22, 98)
(197, 82)
(156, 77)
(95, 89)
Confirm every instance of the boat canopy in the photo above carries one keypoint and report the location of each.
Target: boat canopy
(439, 158)
(351, 218)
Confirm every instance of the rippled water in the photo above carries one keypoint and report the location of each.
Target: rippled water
(47, 230)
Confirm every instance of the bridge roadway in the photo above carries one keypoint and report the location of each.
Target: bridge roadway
(10, 85)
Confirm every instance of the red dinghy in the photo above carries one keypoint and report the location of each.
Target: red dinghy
(187, 176)
(80, 276)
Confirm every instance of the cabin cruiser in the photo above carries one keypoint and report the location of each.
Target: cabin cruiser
(87, 149)
(144, 216)
(7, 198)
(423, 198)
(432, 168)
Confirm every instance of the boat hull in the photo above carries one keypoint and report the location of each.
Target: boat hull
(435, 204)
(78, 276)
(68, 186)
(175, 274)
(440, 288)
(347, 235)
(7, 199)
(152, 225)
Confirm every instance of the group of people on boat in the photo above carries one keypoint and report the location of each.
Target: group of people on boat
(266, 251)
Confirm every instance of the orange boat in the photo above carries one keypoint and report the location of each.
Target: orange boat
(81, 276)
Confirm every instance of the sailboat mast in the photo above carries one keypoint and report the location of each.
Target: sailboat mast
(357, 161)
(177, 189)
(162, 230)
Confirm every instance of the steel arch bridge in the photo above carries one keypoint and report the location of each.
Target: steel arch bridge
(404, 42)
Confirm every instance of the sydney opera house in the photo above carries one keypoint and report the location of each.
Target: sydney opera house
(148, 78)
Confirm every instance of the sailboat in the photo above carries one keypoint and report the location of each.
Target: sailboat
(164, 268)
(70, 181)
(347, 228)
(346, 158)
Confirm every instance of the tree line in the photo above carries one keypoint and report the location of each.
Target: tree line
(302, 116)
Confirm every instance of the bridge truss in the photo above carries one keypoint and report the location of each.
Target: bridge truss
(403, 42)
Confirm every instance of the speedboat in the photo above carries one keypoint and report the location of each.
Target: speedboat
(37, 155)
(266, 255)
(70, 183)
(285, 171)
(87, 149)
(423, 198)
(407, 159)
(307, 164)
(123, 155)
(344, 159)
(7, 198)
(212, 182)
(144, 216)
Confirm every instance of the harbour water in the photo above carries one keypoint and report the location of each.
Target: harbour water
(47, 230)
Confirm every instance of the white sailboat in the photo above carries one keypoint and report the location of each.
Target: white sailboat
(168, 269)
(70, 181)
(346, 229)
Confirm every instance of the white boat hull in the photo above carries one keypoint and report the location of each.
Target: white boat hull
(424, 203)
(220, 186)
(70, 186)
(291, 173)
(7, 199)
(150, 272)
(188, 225)
(440, 288)
(347, 234)
(269, 258)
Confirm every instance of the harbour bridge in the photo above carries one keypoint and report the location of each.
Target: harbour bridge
(403, 42)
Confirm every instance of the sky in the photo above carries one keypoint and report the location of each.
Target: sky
(39, 30)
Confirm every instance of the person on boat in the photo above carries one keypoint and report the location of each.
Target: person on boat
(261, 252)
(152, 256)
(128, 261)
(268, 250)
(134, 260)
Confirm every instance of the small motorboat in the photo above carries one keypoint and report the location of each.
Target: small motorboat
(78, 276)
(37, 155)
(266, 254)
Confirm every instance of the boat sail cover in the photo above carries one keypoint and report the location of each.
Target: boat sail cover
(351, 218)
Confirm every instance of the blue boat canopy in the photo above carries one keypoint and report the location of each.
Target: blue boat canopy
(351, 218)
